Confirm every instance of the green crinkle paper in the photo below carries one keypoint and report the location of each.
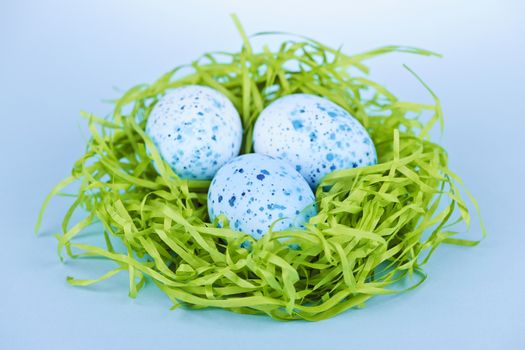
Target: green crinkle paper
(376, 227)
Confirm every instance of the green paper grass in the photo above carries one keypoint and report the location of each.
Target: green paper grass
(376, 225)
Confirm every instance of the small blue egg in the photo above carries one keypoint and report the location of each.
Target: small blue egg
(196, 130)
(314, 135)
(254, 190)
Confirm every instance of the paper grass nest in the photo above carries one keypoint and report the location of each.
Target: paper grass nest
(376, 225)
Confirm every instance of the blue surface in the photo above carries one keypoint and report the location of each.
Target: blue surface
(58, 57)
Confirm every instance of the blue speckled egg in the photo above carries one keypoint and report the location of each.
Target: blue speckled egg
(313, 134)
(196, 130)
(255, 190)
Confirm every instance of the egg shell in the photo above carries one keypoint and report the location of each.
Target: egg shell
(255, 190)
(314, 135)
(196, 130)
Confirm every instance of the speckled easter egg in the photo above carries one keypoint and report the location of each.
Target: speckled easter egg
(313, 134)
(255, 190)
(196, 130)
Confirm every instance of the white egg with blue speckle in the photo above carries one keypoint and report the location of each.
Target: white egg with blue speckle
(196, 130)
(254, 190)
(314, 135)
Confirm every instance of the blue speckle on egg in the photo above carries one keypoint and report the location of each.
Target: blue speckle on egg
(314, 135)
(260, 190)
(297, 124)
(196, 130)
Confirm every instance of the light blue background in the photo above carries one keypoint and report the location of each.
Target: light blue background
(58, 57)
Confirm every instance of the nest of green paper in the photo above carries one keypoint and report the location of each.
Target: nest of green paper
(376, 226)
